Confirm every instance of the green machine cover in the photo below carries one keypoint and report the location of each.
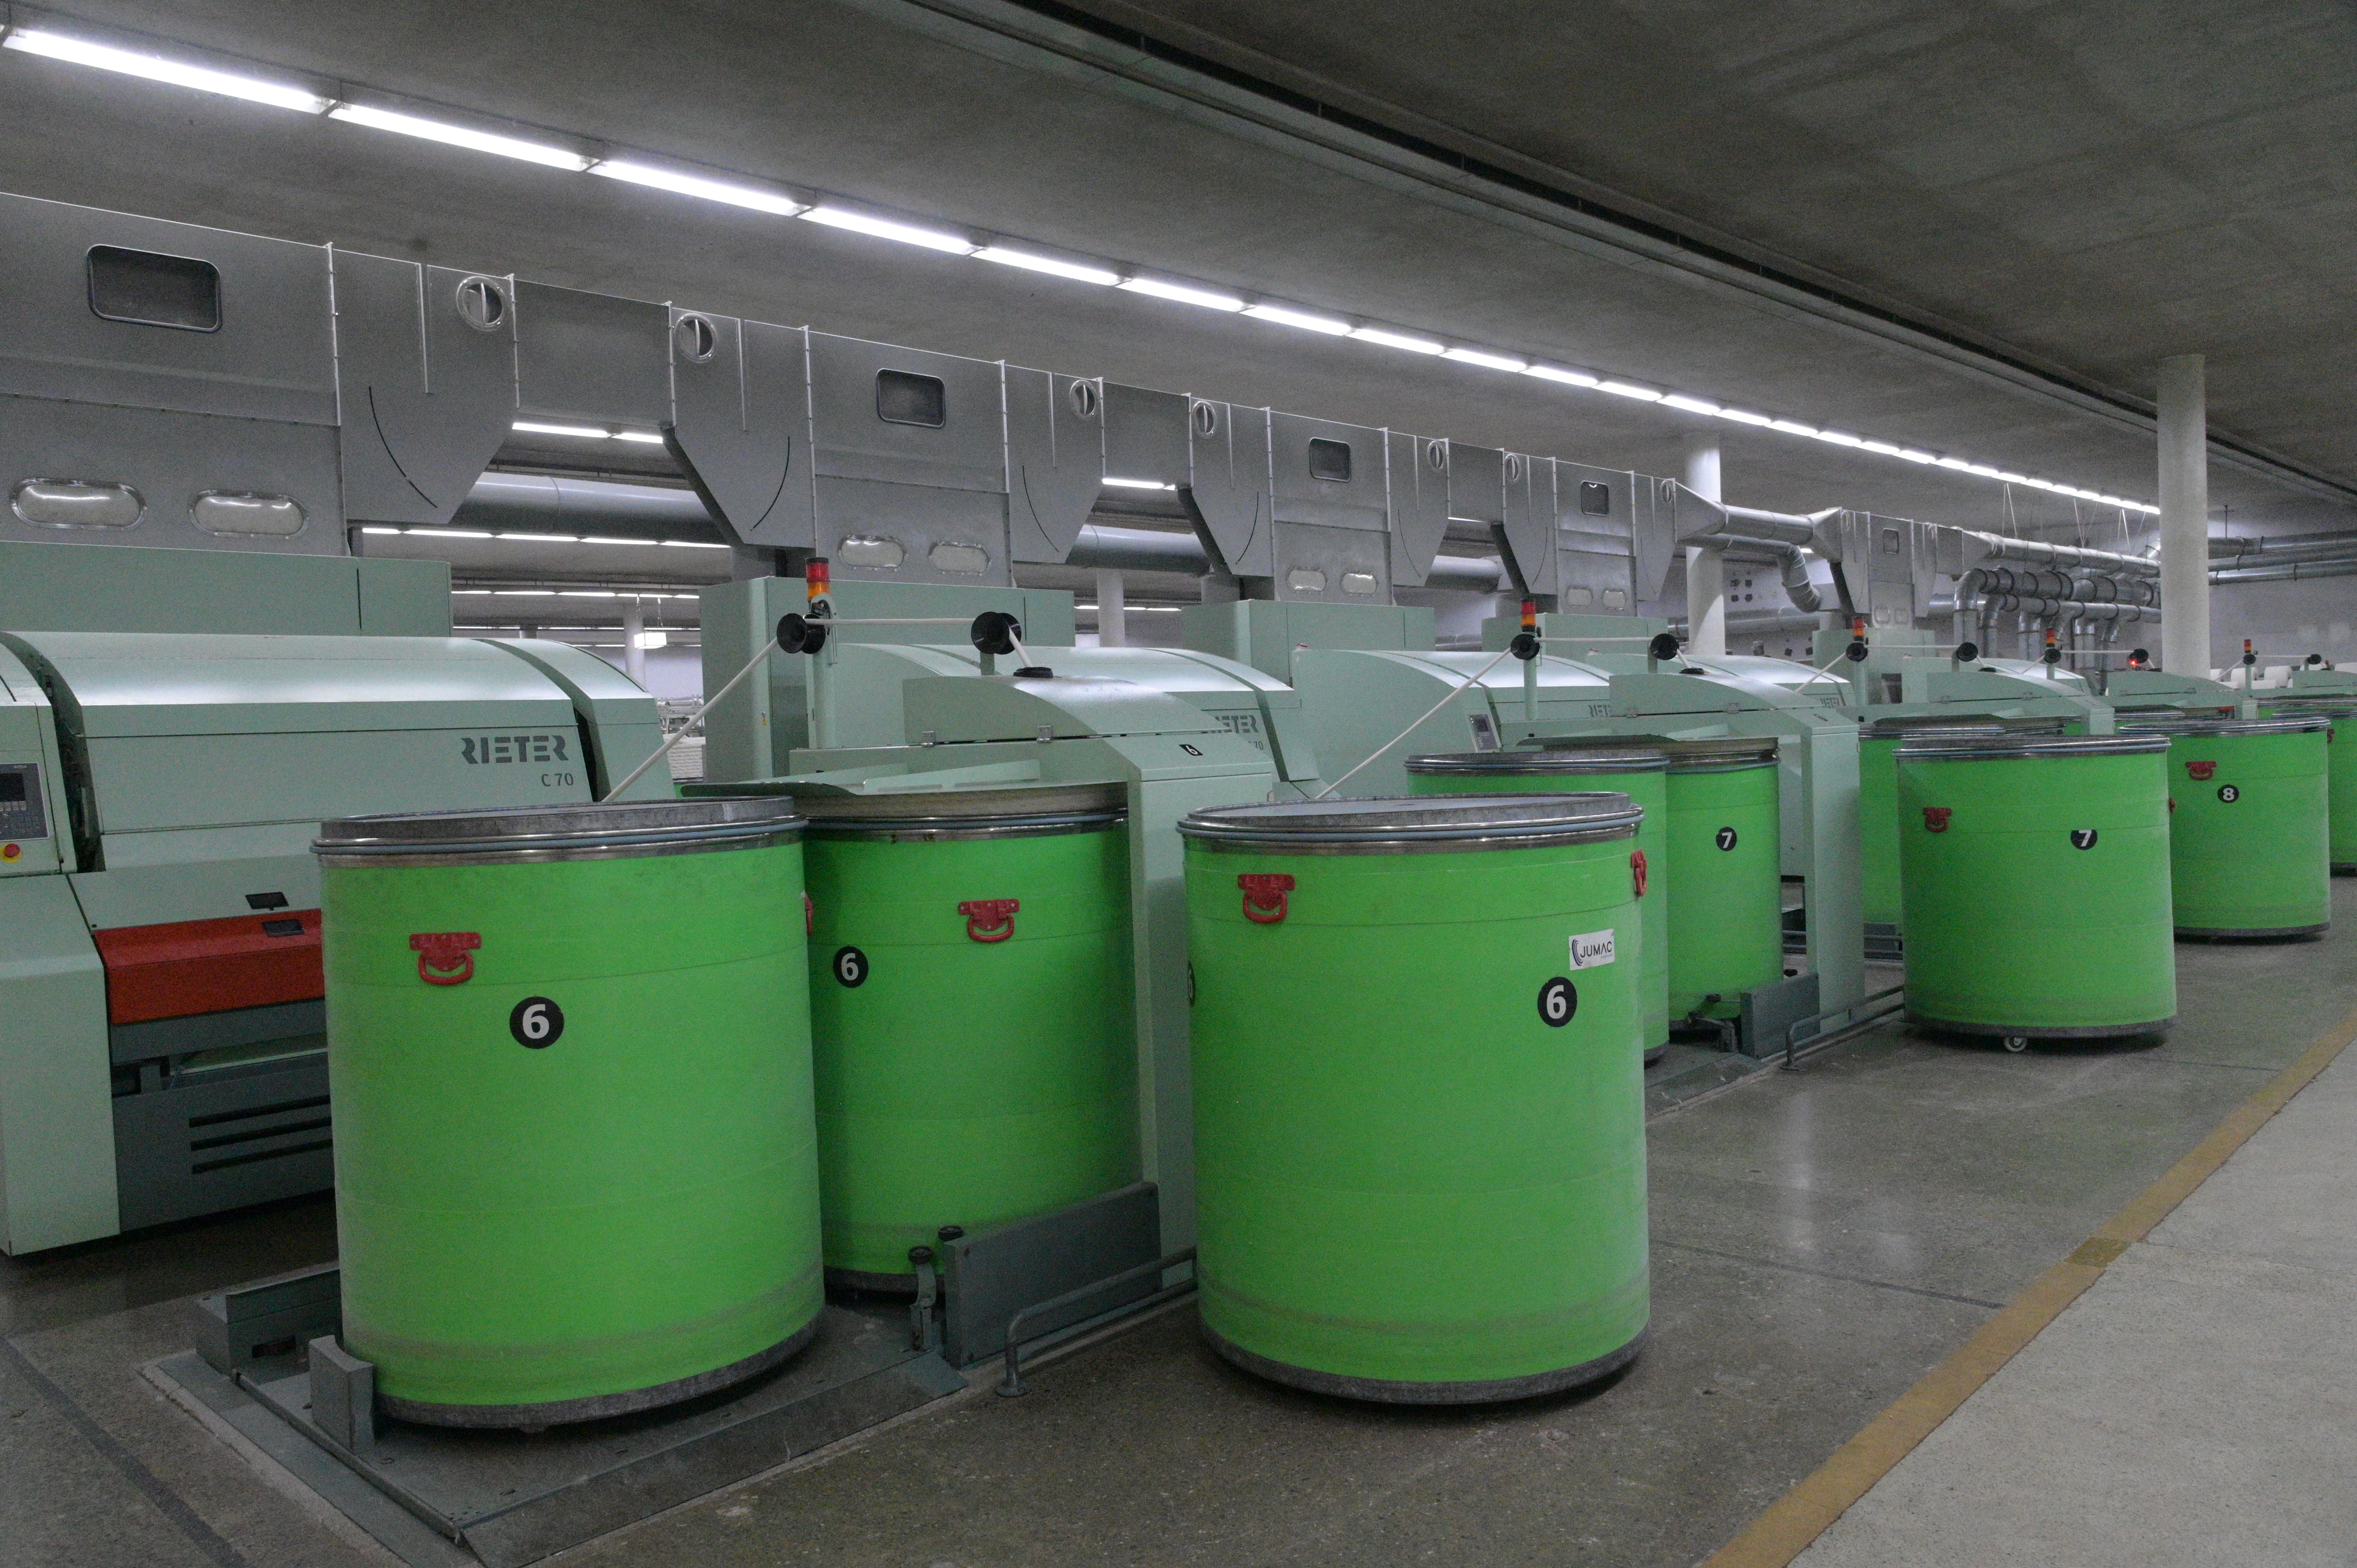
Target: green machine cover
(575, 1169)
(1420, 1117)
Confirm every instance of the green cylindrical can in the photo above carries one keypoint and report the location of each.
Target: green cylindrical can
(1878, 800)
(1727, 909)
(2341, 749)
(1611, 764)
(971, 1007)
(576, 1173)
(2036, 874)
(2250, 826)
(1419, 1108)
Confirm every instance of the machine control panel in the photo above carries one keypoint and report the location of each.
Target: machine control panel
(22, 815)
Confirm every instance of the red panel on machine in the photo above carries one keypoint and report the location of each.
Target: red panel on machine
(208, 966)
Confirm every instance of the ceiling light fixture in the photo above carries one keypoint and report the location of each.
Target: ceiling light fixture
(681, 184)
(459, 136)
(1308, 321)
(582, 431)
(1138, 484)
(1104, 277)
(888, 229)
(1689, 404)
(1568, 378)
(1390, 339)
(155, 68)
(1629, 389)
(1184, 294)
(1488, 359)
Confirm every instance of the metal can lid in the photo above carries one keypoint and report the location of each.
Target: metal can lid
(1994, 747)
(1405, 824)
(1721, 753)
(2282, 723)
(558, 831)
(1609, 754)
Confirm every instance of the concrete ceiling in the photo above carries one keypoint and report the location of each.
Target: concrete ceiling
(891, 103)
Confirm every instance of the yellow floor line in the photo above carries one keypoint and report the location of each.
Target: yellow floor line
(1802, 1514)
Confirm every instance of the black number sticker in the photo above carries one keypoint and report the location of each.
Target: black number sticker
(1558, 1000)
(2229, 794)
(1726, 838)
(850, 966)
(536, 1022)
(2083, 837)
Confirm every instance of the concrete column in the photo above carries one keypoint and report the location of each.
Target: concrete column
(634, 658)
(1113, 611)
(2184, 517)
(1706, 569)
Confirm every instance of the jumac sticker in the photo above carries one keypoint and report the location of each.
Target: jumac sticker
(1592, 950)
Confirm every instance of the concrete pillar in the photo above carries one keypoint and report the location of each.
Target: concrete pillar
(634, 658)
(1706, 569)
(1113, 611)
(2184, 517)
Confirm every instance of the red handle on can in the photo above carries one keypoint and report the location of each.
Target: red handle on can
(1639, 872)
(1935, 818)
(989, 920)
(1265, 894)
(446, 958)
(2201, 771)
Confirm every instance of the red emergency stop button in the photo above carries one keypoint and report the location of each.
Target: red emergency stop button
(11, 851)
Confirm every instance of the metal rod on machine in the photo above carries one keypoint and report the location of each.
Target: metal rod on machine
(693, 720)
(1503, 654)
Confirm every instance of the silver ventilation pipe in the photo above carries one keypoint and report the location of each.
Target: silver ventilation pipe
(2076, 557)
(2341, 565)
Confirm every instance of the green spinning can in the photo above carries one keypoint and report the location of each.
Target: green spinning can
(1727, 913)
(2036, 874)
(2341, 750)
(576, 1171)
(1877, 799)
(1419, 1107)
(1610, 764)
(969, 1013)
(2250, 830)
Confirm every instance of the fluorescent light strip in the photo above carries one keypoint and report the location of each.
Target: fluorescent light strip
(887, 228)
(1104, 277)
(1487, 359)
(1407, 340)
(1184, 294)
(459, 136)
(681, 184)
(1308, 321)
(155, 68)
(1138, 484)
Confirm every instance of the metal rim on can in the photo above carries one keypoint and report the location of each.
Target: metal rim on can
(1411, 824)
(1615, 755)
(597, 1407)
(2030, 1032)
(1992, 747)
(1721, 753)
(1006, 810)
(2283, 723)
(1940, 724)
(521, 833)
(1385, 1390)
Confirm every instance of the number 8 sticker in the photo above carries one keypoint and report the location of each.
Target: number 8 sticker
(536, 1022)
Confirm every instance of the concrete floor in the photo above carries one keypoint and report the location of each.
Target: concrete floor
(1821, 1240)
(2197, 1405)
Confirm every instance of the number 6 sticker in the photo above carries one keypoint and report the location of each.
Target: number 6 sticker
(536, 1022)
(1558, 1000)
